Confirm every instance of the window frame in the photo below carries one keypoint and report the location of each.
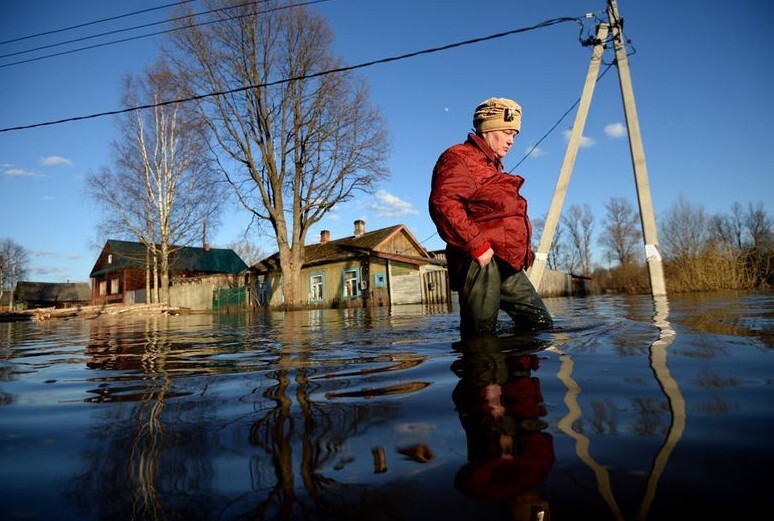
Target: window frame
(354, 276)
(313, 285)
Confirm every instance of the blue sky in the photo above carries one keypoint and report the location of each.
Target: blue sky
(703, 79)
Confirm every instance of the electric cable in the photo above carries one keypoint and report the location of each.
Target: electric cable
(561, 118)
(147, 35)
(547, 23)
(85, 24)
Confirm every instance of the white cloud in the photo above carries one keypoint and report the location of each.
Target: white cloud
(54, 161)
(47, 197)
(615, 130)
(388, 205)
(18, 172)
(535, 152)
(585, 141)
(55, 255)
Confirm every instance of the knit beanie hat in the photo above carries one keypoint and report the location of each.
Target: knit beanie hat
(497, 114)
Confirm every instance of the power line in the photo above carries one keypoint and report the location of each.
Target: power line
(547, 23)
(148, 35)
(561, 118)
(85, 24)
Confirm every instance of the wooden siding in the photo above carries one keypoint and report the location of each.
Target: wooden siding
(435, 287)
(128, 280)
(405, 283)
(399, 243)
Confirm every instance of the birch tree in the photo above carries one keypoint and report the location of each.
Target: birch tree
(14, 261)
(161, 189)
(293, 140)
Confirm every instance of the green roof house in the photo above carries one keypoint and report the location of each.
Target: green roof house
(118, 275)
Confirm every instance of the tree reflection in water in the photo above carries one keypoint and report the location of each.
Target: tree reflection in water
(157, 454)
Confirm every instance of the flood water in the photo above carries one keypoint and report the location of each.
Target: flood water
(627, 409)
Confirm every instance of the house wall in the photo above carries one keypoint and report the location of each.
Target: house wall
(128, 281)
(378, 283)
(333, 286)
(398, 243)
(405, 283)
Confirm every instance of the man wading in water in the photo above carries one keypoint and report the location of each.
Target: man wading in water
(481, 216)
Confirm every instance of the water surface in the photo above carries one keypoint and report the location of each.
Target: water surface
(627, 409)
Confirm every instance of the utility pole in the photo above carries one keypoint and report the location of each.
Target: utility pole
(552, 219)
(647, 217)
(648, 221)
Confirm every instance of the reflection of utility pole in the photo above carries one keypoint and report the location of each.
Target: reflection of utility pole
(582, 442)
(655, 268)
(676, 403)
(675, 400)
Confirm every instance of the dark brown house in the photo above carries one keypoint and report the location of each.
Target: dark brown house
(121, 269)
(30, 295)
(378, 268)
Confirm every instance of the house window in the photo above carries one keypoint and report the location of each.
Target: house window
(350, 280)
(102, 288)
(379, 280)
(113, 286)
(110, 258)
(316, 287)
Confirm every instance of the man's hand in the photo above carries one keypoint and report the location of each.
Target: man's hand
(485, 257)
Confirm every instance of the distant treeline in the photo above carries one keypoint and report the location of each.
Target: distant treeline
(701, 252)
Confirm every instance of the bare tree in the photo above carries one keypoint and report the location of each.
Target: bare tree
(557, 256)
(759, 226)
(621, 231)
(579, 223)
(14, 261)
(737, 224)
(161, 189)
(684, 229)
(297, 140)
(720, 232)
(247, 251)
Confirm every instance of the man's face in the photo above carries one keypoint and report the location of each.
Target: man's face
(500, 141)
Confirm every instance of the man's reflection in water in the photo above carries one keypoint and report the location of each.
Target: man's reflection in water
(500, 406)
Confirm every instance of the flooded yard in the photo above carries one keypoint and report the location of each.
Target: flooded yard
(627, 409)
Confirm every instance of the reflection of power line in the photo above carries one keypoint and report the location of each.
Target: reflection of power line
(414, 54)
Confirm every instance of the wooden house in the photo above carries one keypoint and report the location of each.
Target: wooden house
(118, 275)
(31, 295)
(378, 268)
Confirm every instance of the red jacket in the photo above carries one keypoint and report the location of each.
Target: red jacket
(475, 206)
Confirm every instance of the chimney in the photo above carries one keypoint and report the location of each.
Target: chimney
(359, 227)
(325, 236)
(204, 236)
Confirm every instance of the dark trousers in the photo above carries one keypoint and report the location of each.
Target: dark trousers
(498, 286)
